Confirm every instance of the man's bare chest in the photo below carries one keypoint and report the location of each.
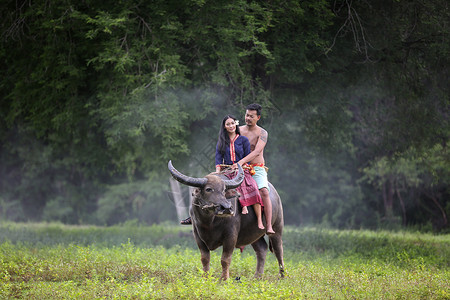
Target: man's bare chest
(252, 137)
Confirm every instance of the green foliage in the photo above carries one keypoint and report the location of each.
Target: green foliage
(96, 97)
(53, 234)
(128, 201)
(411, 171)
(320, 263)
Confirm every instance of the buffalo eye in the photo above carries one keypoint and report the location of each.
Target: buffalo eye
(209, 190)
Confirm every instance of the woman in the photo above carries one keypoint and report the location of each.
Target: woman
(232, 147)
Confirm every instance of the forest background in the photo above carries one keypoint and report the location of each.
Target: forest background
(97, 96)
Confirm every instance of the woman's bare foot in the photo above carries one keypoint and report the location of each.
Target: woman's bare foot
(244, 210)
(260, 225)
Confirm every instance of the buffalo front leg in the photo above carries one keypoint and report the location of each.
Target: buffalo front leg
(260, 247)
(205, 258)
(226, 261)
(204, 251)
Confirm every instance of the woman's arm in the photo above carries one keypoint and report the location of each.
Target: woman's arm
(219, 158)
(246, 146)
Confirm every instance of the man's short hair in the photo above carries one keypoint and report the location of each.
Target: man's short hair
(254, 106)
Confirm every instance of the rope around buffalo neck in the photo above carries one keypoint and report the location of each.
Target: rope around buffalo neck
(204, 206)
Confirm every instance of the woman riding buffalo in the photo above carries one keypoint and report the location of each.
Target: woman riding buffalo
(232, 147)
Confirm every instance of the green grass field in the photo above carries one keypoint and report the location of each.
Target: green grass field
(53, 261)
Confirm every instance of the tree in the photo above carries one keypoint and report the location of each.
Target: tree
(105, 93)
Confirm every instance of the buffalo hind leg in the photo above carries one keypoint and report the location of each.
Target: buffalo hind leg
(260, 247)
(276, 244)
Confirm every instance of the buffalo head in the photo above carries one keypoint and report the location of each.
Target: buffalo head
(210, 192)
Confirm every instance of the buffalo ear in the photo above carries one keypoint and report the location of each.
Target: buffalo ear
(231, 193)
(195, 192)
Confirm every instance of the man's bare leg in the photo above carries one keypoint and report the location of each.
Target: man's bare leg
(257, 208)
(267, 209)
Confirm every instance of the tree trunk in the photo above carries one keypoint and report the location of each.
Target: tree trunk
(178, 199)
(436, 202)
(402, 204)
(388, 199)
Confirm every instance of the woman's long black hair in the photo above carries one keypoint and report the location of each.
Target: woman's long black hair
(224, 139)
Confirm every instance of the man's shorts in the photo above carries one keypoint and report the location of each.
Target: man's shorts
(260, 177)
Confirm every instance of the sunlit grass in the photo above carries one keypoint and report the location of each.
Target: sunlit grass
(320, 263)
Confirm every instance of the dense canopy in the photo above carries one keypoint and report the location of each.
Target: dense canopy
(97, 96)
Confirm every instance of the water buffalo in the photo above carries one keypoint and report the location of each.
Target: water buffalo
(217, 221)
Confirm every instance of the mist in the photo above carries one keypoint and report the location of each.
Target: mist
(357, 112)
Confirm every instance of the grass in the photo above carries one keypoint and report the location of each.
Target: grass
(54, 261)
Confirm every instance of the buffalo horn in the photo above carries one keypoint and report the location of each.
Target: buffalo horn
(236, 181)
(191, 181)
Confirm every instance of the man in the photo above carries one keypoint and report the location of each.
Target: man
(258, 140)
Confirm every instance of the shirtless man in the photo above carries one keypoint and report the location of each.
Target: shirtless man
(258, 139)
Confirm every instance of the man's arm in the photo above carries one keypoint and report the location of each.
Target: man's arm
(259, 147)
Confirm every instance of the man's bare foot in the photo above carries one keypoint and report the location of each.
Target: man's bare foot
(261, 226)
(270, 231)
(244, 210)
